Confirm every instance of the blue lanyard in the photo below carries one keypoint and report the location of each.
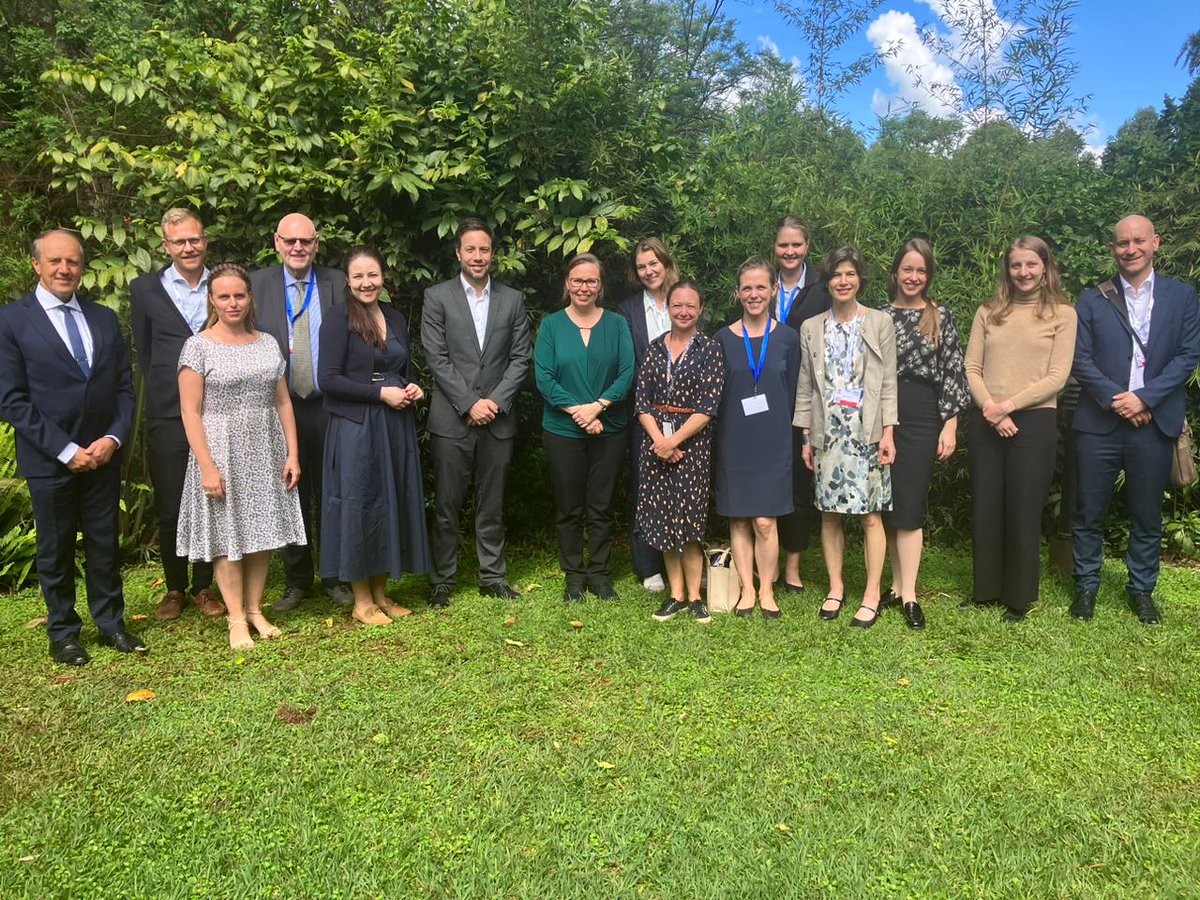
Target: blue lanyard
(786, 301)
(307, 299)
(756, 369)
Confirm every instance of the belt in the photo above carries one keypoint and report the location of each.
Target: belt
(672, 409)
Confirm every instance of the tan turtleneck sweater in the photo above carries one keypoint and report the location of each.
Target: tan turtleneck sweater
(1024, 359)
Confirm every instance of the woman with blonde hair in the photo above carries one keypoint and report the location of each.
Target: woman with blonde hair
(1018, 359)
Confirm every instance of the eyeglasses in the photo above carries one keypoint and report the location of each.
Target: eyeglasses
(296, 242)
(583, 282)
(180, 243)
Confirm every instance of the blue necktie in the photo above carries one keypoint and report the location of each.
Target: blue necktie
(76, 340)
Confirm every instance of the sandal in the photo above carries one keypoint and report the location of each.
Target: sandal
(262, 626)
(246, 643)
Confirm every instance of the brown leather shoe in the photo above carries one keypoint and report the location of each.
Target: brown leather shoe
(209, 603)
(170, 607)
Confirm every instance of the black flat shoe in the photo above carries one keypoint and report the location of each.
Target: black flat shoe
(573, 594)
(865, 623)
(499, 589)
(1013, 616)
(830, 614)
(889, 600)
(744, 612)
(787, 587)
(913, 615)
(69, 652)
(439, 598)
(124, 642)
(770, 613)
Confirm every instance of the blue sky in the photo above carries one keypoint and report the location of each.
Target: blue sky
(1125, 50)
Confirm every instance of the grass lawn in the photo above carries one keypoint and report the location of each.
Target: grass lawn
(493, 749)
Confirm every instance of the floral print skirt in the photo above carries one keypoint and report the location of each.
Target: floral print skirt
(848, 477)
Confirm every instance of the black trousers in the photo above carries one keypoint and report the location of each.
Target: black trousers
(796, 528)
(62, 506)
(167, 456)
(1010, 480)
(645, 559)
(583, 473)
(311, 420)
(455, 461)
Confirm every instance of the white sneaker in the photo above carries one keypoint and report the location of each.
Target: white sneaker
(654, 584)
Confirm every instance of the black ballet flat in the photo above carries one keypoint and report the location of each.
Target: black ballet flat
(770, 613)
(866, 623)
(830, 614)
(744, 612)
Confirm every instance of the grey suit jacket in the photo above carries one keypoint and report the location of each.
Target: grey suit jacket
(462, 373)
(271, 310)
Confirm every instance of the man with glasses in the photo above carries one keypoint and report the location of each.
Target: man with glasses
(168, 307)
(476, 339)
(290, 300)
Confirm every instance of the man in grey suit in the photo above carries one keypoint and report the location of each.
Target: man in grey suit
(290, 300)
(476, 339)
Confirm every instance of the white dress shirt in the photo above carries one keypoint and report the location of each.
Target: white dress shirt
(657, 320)
(479, 303)
(1140, 303)
(192, 302)
(777, 306)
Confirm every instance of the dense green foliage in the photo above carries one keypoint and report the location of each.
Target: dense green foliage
(571, 126)
(745, 759)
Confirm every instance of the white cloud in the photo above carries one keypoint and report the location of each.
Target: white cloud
(921, 81)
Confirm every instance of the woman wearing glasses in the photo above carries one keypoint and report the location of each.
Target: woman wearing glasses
(583, 360)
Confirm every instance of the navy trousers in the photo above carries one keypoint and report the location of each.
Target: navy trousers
(1144, 454)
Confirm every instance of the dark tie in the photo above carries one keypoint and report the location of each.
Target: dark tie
(76, 340)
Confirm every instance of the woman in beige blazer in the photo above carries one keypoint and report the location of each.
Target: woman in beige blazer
(846, 409)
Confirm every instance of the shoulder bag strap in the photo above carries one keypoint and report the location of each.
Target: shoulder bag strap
(1109, 290)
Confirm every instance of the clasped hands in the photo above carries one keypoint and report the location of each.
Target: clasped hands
(399, 397)
(93, 456)
(998, 415)
(482, 412)
(666, 449)
(1132, 408)
(587, 416)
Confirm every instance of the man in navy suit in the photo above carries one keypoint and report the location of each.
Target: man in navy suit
(1131, 409)
(166, 308)
(67, 390)
(290, 300)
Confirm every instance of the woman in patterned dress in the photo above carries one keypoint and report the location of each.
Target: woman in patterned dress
(678, 392)
(846, 408)
(238, 418)
(932, 391)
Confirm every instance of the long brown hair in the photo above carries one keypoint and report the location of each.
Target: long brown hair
(224, 270)
(930, 324)
(662, 254)
(358, 317)
(1050, 294)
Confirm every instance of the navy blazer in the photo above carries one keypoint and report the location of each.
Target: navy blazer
(347, 362)
(159, 332)
(1104, 351)
(44, 394)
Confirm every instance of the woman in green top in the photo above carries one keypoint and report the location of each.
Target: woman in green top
(583, 359)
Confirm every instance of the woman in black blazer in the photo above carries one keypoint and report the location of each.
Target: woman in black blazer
(373, 509)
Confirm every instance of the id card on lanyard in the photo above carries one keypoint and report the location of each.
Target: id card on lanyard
(849, 397)
(756, 403)
(287, 302)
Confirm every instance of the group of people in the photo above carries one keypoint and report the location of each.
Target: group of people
(280, 415)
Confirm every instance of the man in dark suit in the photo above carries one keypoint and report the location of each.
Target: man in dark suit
(1131, 409)
(290, 300)
(476, 339)
(67, 390)
(166, 308)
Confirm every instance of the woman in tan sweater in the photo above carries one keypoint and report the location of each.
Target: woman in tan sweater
(1018, 359)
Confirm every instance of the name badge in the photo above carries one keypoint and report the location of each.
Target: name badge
(752, 406)
(668, 429)
(850, 398)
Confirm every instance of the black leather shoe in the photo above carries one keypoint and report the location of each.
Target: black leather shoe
(339, 594)
(865, 623)
(69, 652)
(889, 600)
(1083, 607)
(786, 587)
(440, 597)
(290, 600)
(573, 594)
(603, 589)
(124, 642)
(830, 614)
(501, 589)
(770, 613)
(913, 615)
(1142, 604)
(1013, 616)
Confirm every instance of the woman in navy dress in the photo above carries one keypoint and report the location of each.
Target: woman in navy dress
(754, 434)
(373, 511)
